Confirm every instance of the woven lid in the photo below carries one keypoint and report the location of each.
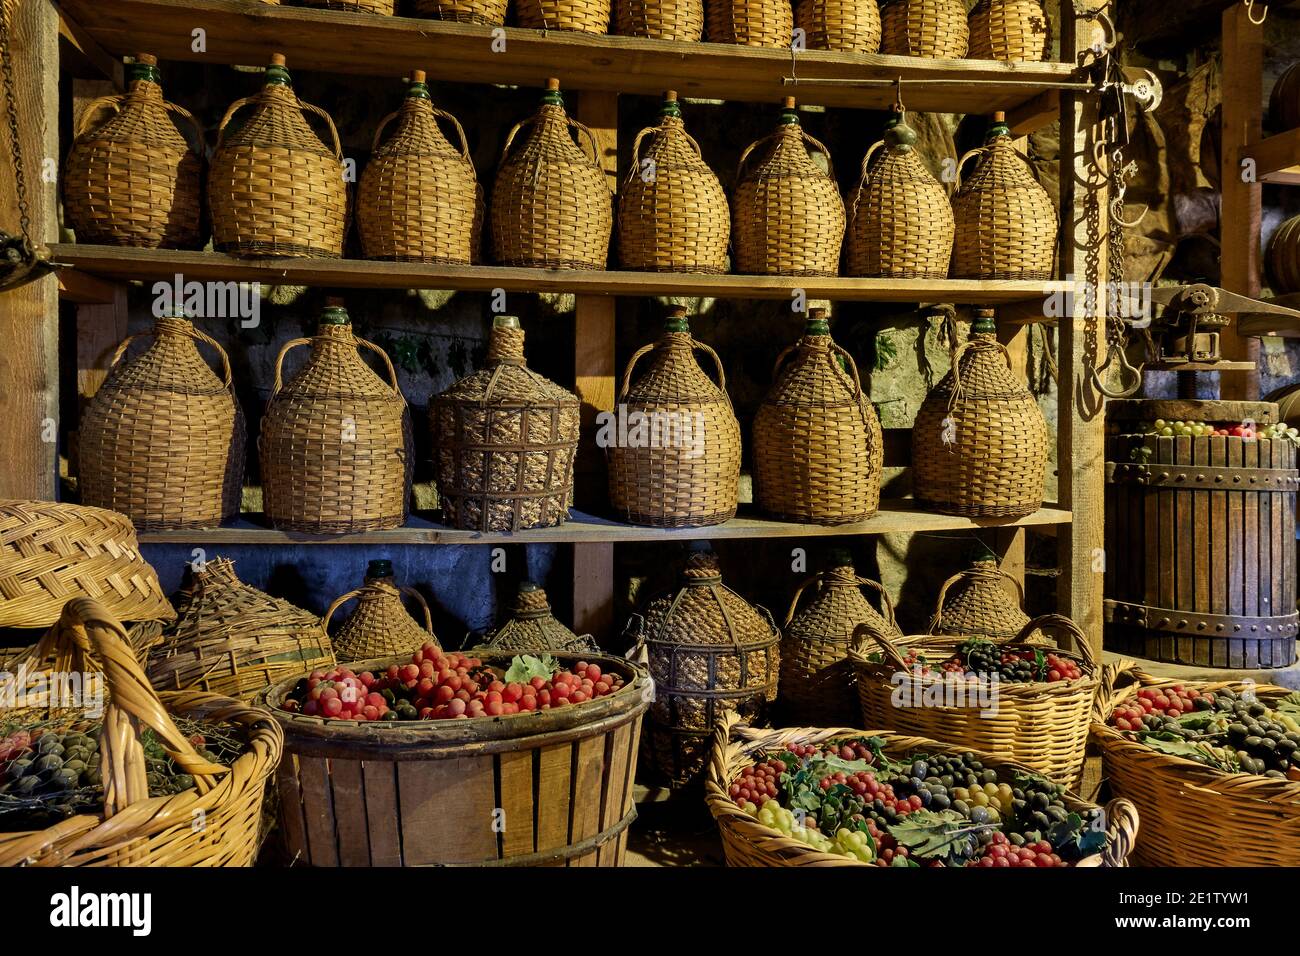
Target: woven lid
(532, 628)
(981, 601)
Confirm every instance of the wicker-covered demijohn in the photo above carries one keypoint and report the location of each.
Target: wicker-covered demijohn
(1009, 30)
(551, 204)
(818, 447)
(817, 681)
(787, 215)
(379, 626)
(230, 638)
(674, 445)
(710, 652)
(533, 629)
(975, 602)
(935, 29)
(672, 212)
(162, 441)
(419, 199)
(583, 16)
(133, 180)
(680, 20)
(749, 22)
(1006, 222)
(490, 12)
(979, 442)
(274, 188)
(504, 442)
(336, 438)
(848, 26)
(900, 216)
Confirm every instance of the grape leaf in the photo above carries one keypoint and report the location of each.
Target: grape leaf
(1177, 747)
(1072, 840)
(944, 835)
(525, 667)
(903, 861)
(1290, 704)
(1040, 664)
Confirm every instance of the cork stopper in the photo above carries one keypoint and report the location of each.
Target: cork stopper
(998, 126)
(277, 59)
(146, 59)
(984, 324)
(416, 88)
(788, 115)
(670, 105)
(552, 97)
(677, 320)
(277, 74)
(417, 76)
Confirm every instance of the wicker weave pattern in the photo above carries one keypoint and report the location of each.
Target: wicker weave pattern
(490, 12)
(749, 22)
(584, 16)
(505, 439)
(379, 626)
(981, 606)
(534, 629)
(382, 7)
(51, 553)
(934, 29)
(162, 441)
(680, 20)
(134, 181)
(1009, 30)
(849, 26)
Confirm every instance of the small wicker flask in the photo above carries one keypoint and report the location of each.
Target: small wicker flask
(672, 212)
(980, 605)
(979, 443)
(505, 439)
(489, 12)
(848, 26)
(551, 205)
(1009, 30)
(900, 216)
(935, 29)
(749, 22)
(134, 180)
(818, 447)
(674, 443)
(788, 218)
(419, 199)
(680, 20)
(533, 629)
(1006, 222)
(380, 626)
(817, 682)
(274, 188)
(336, 439)
(162, 441)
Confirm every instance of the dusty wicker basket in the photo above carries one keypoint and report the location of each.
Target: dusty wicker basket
(1256, 818)
(849, 26)
(817, 681)
(981, 606)
(1009, 30)
(788, 217)
(900, 216)
(818, 448)
(979, 442)
(54, 552)
(551, 205)
(1043, 725)
(490, 12)
(380, 626)
(1006, 222)
(681, 467)
(162, 441)
(230, 638)
(583, 16)
(710, 653)
(336, 439)
(274, 188)
(680, 20)
(534, 629)
(505, 439)
(935, 29)
(672, 212)
(746, 842)
(749, 22)
(133, 180)
(419, 199)
(134, 828)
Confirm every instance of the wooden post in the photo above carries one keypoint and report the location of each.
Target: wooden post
(1009, 543)
(29, 315)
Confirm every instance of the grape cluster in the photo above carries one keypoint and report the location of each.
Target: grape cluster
(1151, 704)
(758, 784)
(1000, 851)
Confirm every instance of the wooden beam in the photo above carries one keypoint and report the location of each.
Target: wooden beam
(86, 289)
(1271, 154)
(101, 327)
(91, 53)
(1033, 115)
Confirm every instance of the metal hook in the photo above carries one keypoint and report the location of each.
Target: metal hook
(899, 108)
(1124, 365)
(1250, 6)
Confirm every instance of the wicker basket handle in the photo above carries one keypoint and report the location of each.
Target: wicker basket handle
(93, 107)
(886, 604)
(853, 369)
(636, 153)
(591, 139)
(820, 147)
(231, 110)
(1121, 817)
(740, 166)
(717, 363)
(379, 130)
(865, 630)
(404, 588)
(978, 150)
(186, 115)
(334, 133)
(192, 333)
(388, 363)
(510, 138)
(627, 372)
(1109, 687)
(279, 363)
(460, 133)
(1057, 622)
(937, 619)
(866, 160)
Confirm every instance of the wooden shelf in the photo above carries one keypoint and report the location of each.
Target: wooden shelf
(244, 32)
(113, 262)
(894, 517)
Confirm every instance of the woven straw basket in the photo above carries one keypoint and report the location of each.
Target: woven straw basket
(336, 439)
(746, 842)
(681, 468)
(134, 180)
(849, 26)
(53, 552)
(381, 7)
(1009, 30)
(505, 440)
(533, 629)
(900, 217)
(490, 12)
(981, 606)
(134, 828)
(979, 442)
(584, 16)
(274, 188)
(230, 638)
(749, 22)
(419, 199)
(710, 653)
(380, 625)
(1039, 724)
(817, 680)
(1006, 222)
(1256, 818)
(551, 205)
(788, 218)
(935, 29)
(672, 212)
(680, 20)
(818, 447)
(162, 441)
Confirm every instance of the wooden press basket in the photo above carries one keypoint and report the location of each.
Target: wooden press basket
(680, 20)
(746, 842)
(848, 26)
(379, 626)
(490, 12)
(534, 629)
(1009, 30)
(749, 22)
(935, 29)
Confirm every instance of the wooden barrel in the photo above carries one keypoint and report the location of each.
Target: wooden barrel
(1284, 101)
(1200, 538)
(547, 788)
(1283, 258)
